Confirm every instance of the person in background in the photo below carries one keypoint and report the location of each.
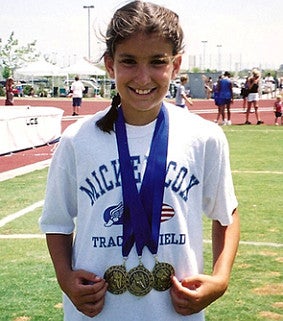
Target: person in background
(9, 92)
(215, 89)
(132, 182)
(226, 97)
(280, 85)
(245, 93)
(278, 110)
(77, 89)
(181, 95)
(253, 97)
(270, 85)
(208, 87)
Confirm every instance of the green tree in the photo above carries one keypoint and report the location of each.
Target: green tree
(14, 56)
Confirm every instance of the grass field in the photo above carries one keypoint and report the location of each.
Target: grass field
(28, 288)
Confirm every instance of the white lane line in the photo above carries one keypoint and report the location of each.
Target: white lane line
(258, 172)
(22, 212)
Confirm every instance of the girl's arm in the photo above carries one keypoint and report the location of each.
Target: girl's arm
(85, 289)
(225, 241)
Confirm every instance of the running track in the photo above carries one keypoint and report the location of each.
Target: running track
(205, 108)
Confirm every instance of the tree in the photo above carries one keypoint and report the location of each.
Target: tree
(14, 56)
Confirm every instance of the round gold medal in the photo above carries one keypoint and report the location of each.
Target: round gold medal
(116, 277)
(140, 281)
(162, 276)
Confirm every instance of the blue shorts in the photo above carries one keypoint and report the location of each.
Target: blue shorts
(224, 101)
(77, 102)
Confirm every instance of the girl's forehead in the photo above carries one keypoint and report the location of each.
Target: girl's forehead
(144, 45)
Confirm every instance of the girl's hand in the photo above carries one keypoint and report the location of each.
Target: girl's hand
(193, 294)
(86, 290)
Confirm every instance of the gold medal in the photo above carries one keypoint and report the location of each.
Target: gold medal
(162, 276)
(140, 280)
(116, 277)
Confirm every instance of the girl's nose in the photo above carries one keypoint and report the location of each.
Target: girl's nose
(142, 76)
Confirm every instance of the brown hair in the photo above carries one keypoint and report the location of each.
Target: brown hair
(139, 17)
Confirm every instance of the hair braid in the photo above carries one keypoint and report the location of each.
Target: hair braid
(106, 123)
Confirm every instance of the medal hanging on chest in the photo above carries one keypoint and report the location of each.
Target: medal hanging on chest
(117, 279)
(142, 212)
(162, 273)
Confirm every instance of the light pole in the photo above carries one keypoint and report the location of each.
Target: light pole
(88, 9)
(204, 42)
(219, 57)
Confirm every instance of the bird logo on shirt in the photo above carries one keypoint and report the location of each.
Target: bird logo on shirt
(113, 215)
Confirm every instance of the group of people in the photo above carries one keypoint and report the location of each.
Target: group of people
(77, 89)
(223, 97)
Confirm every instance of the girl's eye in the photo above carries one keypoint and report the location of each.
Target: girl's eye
(128, 61)
(160, 61)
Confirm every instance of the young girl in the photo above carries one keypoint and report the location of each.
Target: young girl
(131, 183)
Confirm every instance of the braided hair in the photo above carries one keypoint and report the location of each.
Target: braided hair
(106, 123)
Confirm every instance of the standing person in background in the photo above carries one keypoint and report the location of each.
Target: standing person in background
(215, 89)
(77, 89)
(181, 96)
(253, 97)
(278, 110)
(208, 87)
(245, 93)
(132, 183)
(9, 92)
(270, 85)
(226, 97)
(280, 85)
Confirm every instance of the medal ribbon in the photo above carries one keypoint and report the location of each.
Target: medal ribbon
(142, 211)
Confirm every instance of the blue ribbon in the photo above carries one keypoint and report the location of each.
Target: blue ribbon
(142, 211)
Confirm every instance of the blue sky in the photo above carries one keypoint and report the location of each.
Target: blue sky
(249, 31)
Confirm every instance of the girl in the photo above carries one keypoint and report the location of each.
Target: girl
(135, 180)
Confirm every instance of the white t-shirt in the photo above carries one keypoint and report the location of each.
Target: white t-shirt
(85, 183)
(179, 99)
(77, 88)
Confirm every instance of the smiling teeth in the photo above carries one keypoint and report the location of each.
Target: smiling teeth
(143, 92)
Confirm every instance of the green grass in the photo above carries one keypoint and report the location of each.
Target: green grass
(22, 191)
(28, 288)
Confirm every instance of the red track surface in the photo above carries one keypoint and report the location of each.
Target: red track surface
(205, 108)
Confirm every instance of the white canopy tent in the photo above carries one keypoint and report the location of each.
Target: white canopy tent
(83, 67)
(40, 68)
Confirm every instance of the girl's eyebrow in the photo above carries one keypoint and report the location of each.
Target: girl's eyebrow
(157, 56)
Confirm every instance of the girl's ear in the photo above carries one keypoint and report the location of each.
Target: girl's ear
(176, 66)
(109, 63)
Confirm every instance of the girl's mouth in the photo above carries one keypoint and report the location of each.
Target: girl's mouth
(142, 91)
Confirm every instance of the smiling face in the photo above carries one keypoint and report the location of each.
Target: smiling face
(142, 67)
